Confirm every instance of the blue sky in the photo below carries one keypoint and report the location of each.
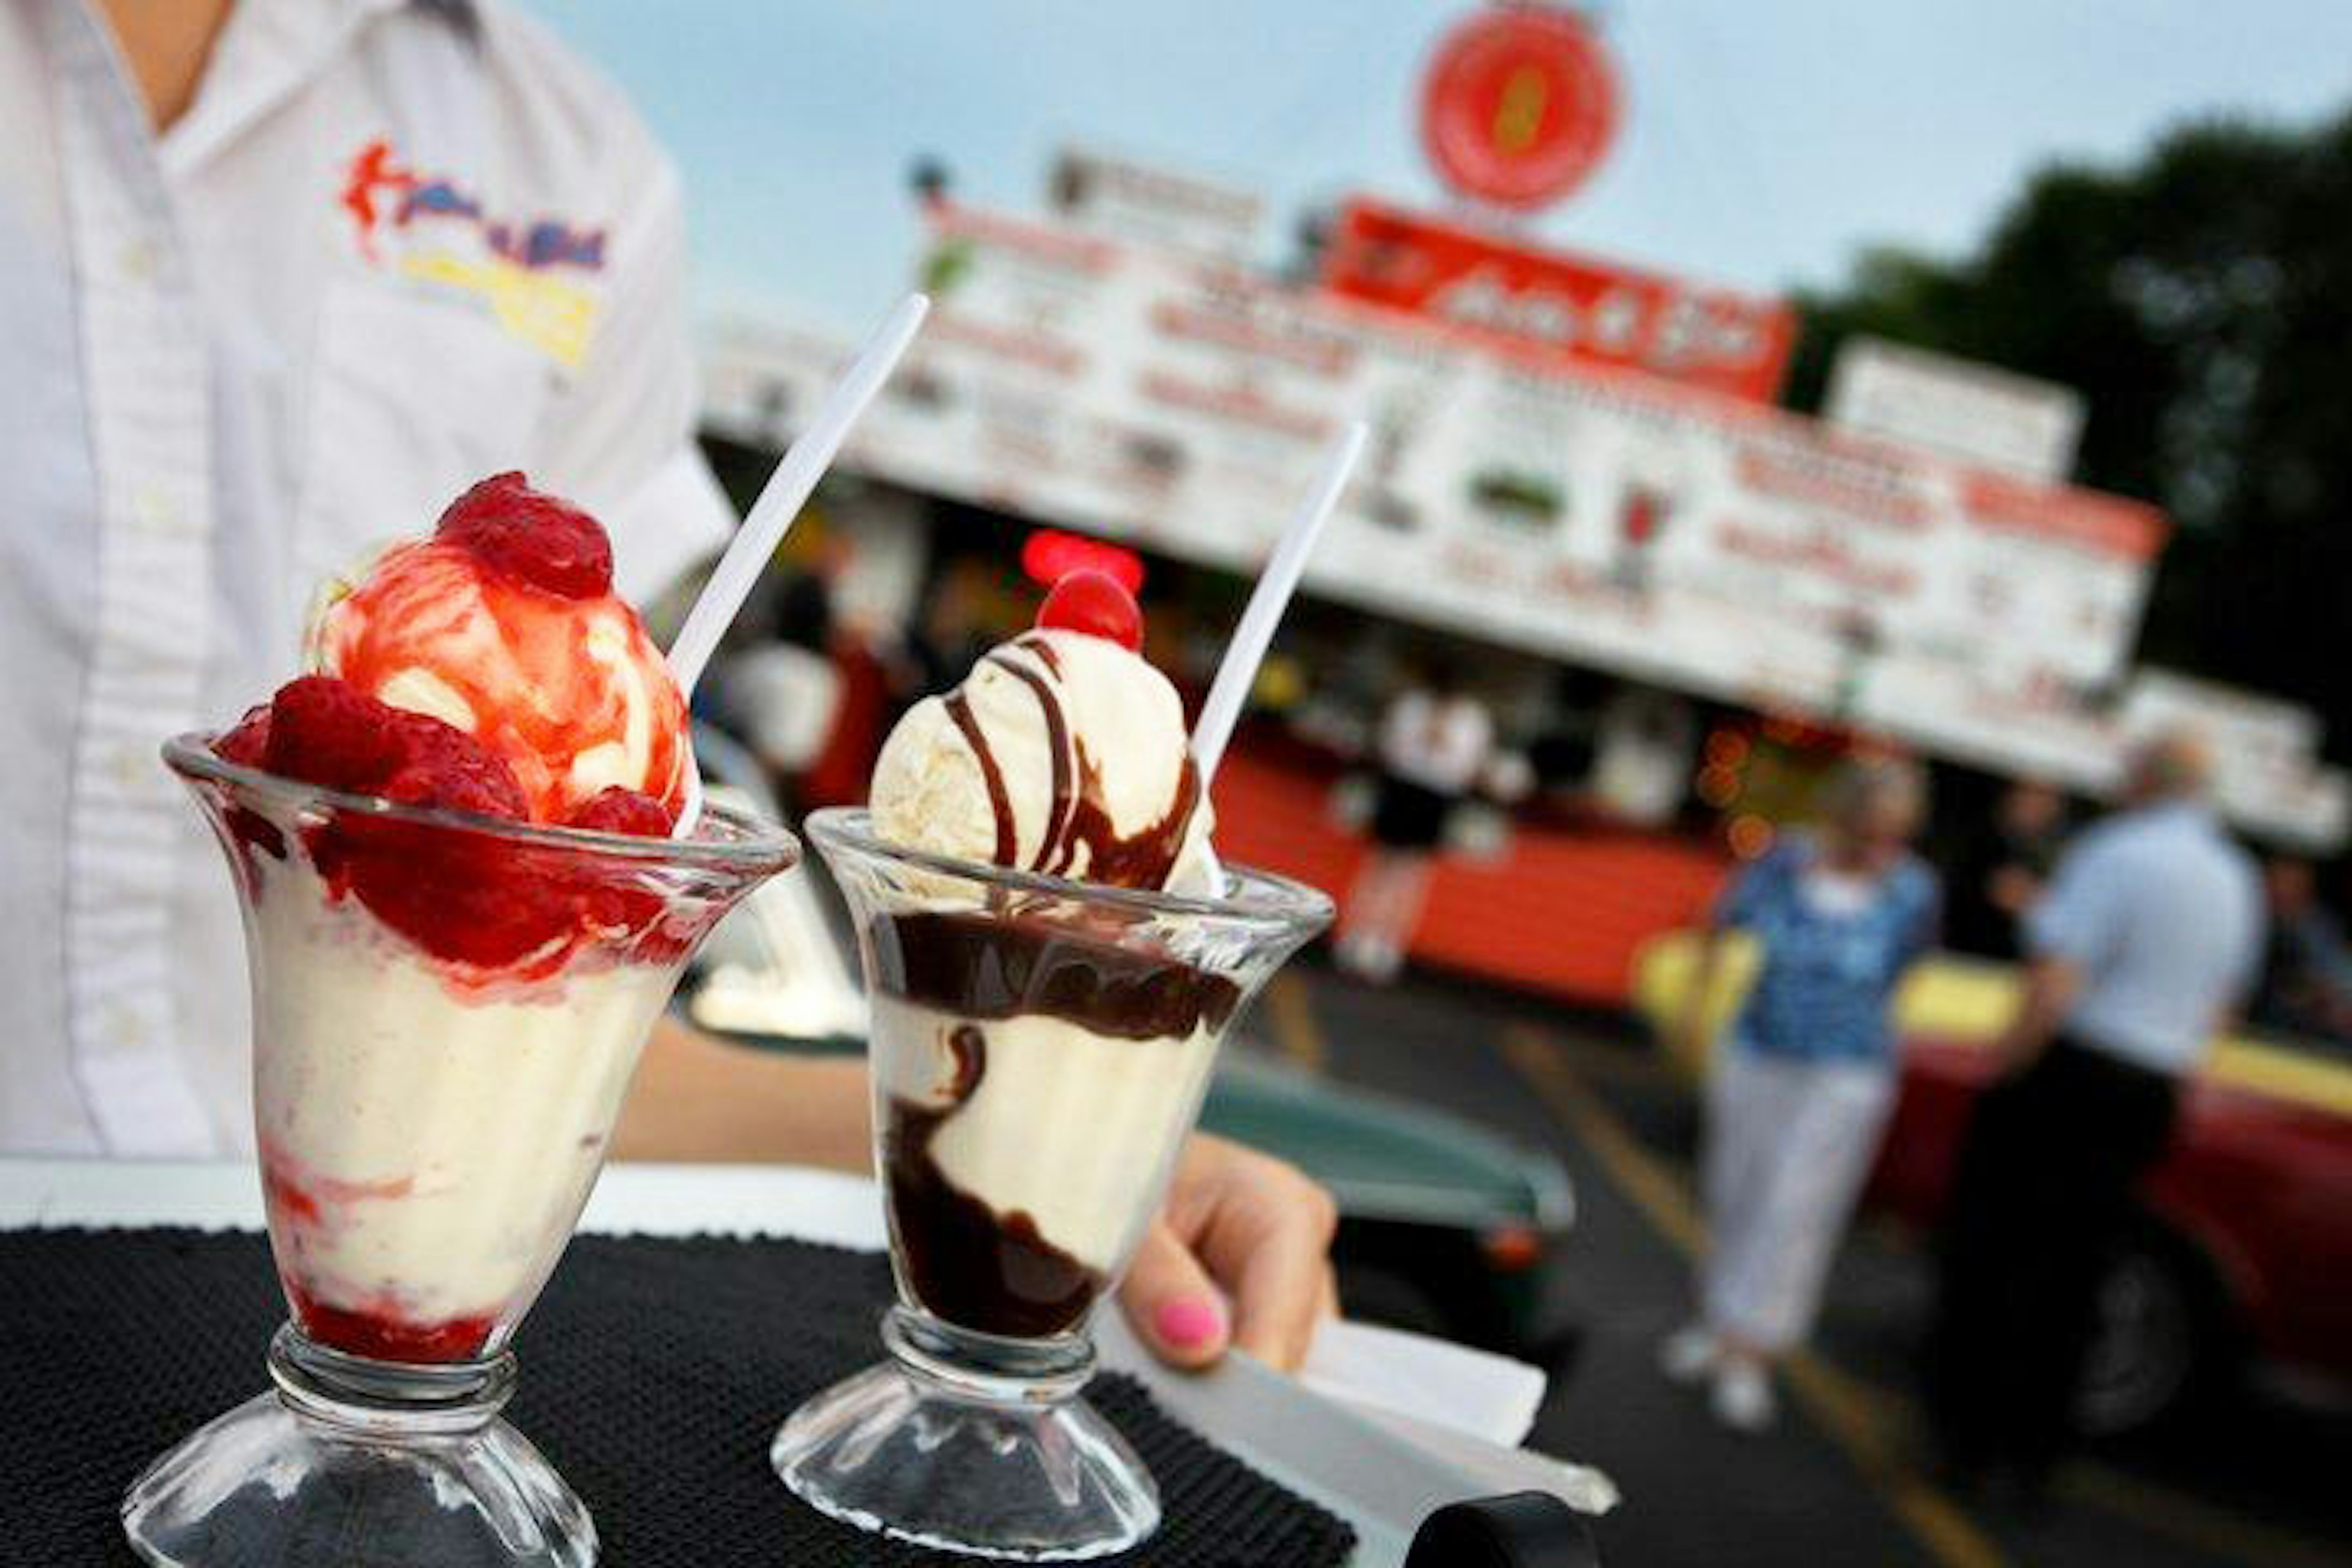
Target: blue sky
(1765, 140)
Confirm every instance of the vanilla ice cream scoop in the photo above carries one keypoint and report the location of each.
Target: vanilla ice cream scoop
(1063, 752)
(503, 624)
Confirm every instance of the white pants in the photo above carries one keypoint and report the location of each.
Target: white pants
(1789, 1144)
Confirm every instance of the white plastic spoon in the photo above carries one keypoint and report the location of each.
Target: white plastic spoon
(1254, 633)
(781, 500)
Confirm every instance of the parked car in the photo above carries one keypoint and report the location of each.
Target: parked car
(2241, 1241)
(1445, 1226)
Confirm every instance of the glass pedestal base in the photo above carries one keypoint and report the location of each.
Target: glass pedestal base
(361, 1462)
(964, 1443)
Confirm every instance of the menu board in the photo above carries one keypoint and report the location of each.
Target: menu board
(2267, 773)
(1977, 412)
(1594, 513)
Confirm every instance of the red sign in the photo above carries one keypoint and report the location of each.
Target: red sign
(2100, 524)
(1519, 106)
(1551, 302)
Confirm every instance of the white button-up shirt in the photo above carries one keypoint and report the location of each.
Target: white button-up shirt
(390, 248)
(2162, 914)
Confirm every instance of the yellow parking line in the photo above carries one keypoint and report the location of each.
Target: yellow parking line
(1599, 1061)
(1296, 1032)
(1833, 1400)
(1841, 1405)
(1663, 1201)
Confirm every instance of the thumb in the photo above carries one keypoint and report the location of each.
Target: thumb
(1172, 1304)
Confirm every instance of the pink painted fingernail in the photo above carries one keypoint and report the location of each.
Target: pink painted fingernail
(1188, 1322)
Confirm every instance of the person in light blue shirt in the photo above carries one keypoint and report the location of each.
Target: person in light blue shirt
(1800, 1092)
(2145, 943)
(2148, 936)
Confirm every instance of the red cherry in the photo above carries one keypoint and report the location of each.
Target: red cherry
(541, 541)
(1097, 604)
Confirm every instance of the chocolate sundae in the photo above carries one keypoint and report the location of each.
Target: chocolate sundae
(1038, 1063)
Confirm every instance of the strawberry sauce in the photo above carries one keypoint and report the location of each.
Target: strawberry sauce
(543, 680)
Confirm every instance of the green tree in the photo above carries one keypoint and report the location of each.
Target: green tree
(2202, 299)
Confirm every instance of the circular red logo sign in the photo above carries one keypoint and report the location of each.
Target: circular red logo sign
(1519, 106)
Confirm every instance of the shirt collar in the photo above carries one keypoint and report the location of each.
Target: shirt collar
(268, 52)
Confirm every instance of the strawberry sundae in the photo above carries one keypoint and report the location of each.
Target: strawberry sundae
(464, 913)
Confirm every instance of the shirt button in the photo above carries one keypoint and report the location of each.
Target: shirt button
(153, 510)
(126, 1030)
(139, 260)
(134, 766)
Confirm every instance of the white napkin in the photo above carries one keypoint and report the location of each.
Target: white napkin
(1489, 1396)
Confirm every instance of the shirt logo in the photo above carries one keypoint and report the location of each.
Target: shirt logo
(439, 233)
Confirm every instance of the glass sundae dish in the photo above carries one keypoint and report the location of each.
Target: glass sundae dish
(463, 913)
(1053, 959)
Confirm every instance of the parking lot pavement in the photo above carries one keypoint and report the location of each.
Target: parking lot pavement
(1833, 1484)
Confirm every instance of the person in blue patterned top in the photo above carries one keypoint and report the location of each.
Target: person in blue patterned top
(1802, 1089)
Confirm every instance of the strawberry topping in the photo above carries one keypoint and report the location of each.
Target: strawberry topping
(449, 768)
(619, 810)
(246, 746)
(385, 1334)
(540, 540)
(494, 906)
(461, 897)
(326, 732)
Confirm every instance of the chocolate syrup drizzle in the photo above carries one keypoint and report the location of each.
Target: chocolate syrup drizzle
(990, 775)
(1008, 964)
(1076, 816)
(965, 1262)
(1140, 859)
(1057, 742)
(969, 1048)
(1046, 653)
